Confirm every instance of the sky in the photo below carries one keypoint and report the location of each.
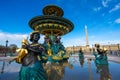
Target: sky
(102, 18)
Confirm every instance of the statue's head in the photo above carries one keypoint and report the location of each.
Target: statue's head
(97, 45)
(34, 36)
(80, 50)
(93, 49)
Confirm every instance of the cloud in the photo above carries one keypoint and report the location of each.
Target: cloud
(116, 7)
(117, 21)
(105, 3)
(17, 38)
(78, 41)
(105, 42)
(97, 9)
(73, 42)
(14, 38)
(92, 40)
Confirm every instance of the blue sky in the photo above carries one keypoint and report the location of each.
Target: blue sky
(102, 18)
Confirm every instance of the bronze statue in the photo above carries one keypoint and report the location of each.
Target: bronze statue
(30, 58)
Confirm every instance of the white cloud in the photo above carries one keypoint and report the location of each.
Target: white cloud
(92, 40)
(73, 42)
(92, 37)
(41, 39)
(117, 21)
(14, 38)
(97, 9)
(77, 41)
(116, 7)
(105, 42)
(105, 3)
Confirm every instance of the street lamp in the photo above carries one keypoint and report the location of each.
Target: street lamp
(118, 46)
(73, 49)
(6, 47)
(109, 46)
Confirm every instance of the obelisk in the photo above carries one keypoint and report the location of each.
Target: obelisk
(86, 32)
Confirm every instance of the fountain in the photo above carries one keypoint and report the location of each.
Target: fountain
(53, 26)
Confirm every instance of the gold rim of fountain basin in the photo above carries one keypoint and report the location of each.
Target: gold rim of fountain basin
(51, 25)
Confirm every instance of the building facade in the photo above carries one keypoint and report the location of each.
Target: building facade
(75, 49)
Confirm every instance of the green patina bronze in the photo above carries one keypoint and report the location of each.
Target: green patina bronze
(31, 56)
(100, 56)
(53, 26)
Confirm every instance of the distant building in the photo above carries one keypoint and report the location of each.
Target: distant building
(75, 49)
(4, 49)
(10, 49)
(112, 47)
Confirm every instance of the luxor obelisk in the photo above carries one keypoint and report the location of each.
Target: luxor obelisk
(86, 32)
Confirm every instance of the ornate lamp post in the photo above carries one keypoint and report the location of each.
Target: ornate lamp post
(6, 47)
